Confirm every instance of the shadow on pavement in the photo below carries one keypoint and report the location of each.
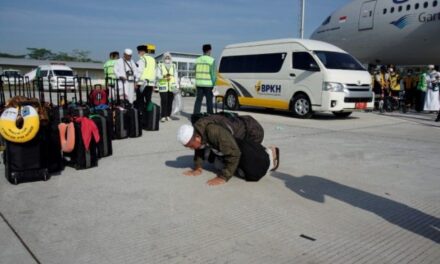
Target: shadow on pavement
(316, 188)
(187, 162)
(182, 162)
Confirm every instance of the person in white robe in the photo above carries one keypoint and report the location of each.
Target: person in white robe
(432, 101)
(127, 73)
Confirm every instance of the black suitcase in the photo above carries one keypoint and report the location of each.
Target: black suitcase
(135, 128)
(105, 148)
(51, 147)
(108, 115)
(80, 157)
(151, 117)
(24, 162)
(121, 123)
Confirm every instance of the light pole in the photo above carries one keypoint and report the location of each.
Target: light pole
(301, 28)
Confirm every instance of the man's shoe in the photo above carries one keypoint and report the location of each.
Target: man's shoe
(163, 119)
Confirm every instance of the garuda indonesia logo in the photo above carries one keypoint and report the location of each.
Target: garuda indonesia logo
(402, 22)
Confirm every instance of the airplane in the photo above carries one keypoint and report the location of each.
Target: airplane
(399, 32)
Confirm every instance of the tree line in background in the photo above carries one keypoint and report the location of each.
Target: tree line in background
(46, 54)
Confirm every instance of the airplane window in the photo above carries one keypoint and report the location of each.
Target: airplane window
(417, 6)
(384, 11)
(425, 5)
(392, 10)
(400, 8)
(434, 4)
(408, 7)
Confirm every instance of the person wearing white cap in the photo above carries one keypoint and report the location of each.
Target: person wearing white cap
(127, 72)
(243, 157)
(432, 94)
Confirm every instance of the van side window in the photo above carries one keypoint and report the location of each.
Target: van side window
(258, 63)
(304, 61)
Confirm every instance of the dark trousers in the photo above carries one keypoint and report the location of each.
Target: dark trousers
(254, 160)
(409, 96)
(166, 103)
(143, 98)
(420, 100)
(207, 92)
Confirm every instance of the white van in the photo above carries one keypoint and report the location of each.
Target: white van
(302, 76)
(60, 76)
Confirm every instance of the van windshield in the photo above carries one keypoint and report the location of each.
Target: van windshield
(338, 61)
(63, 73)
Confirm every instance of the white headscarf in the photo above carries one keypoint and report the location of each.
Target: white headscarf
(167, 61)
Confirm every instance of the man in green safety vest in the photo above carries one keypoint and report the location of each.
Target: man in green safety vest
(147, 70)
(109, 66)
(205, 79)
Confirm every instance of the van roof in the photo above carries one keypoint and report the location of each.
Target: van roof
(306, 43)
(55, 67)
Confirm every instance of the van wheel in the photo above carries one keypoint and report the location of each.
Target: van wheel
(301, 106)
(342, 114)
(231, 100)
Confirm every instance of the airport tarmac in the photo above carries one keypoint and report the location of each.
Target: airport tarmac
(359, 190)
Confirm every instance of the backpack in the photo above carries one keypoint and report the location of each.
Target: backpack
(241, 127)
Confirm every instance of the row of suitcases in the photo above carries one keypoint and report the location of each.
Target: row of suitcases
(92, 127)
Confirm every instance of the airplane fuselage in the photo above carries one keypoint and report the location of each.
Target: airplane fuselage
(404, 32)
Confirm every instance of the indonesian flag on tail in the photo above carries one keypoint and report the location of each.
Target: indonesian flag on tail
(342, 19)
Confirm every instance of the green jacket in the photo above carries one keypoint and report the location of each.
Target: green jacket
(422, 85)
(219, 138)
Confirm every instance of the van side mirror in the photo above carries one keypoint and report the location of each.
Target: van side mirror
(314, 67)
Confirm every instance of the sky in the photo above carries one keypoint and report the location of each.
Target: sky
(180, 26)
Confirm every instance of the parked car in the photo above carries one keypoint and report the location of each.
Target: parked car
(59, 76)
(187, 86)
(11, 76)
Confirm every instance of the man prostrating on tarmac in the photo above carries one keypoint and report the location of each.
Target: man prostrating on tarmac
(239, 154)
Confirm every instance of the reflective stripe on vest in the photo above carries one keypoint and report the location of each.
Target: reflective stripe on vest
(164, 84)
(149, 72)
(203, 71)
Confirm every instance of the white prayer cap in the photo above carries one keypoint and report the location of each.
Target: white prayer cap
(128, 51)
(431, 66)
(185, 134)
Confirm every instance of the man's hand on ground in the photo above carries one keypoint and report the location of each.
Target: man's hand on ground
(216, 181)
(195, 172)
